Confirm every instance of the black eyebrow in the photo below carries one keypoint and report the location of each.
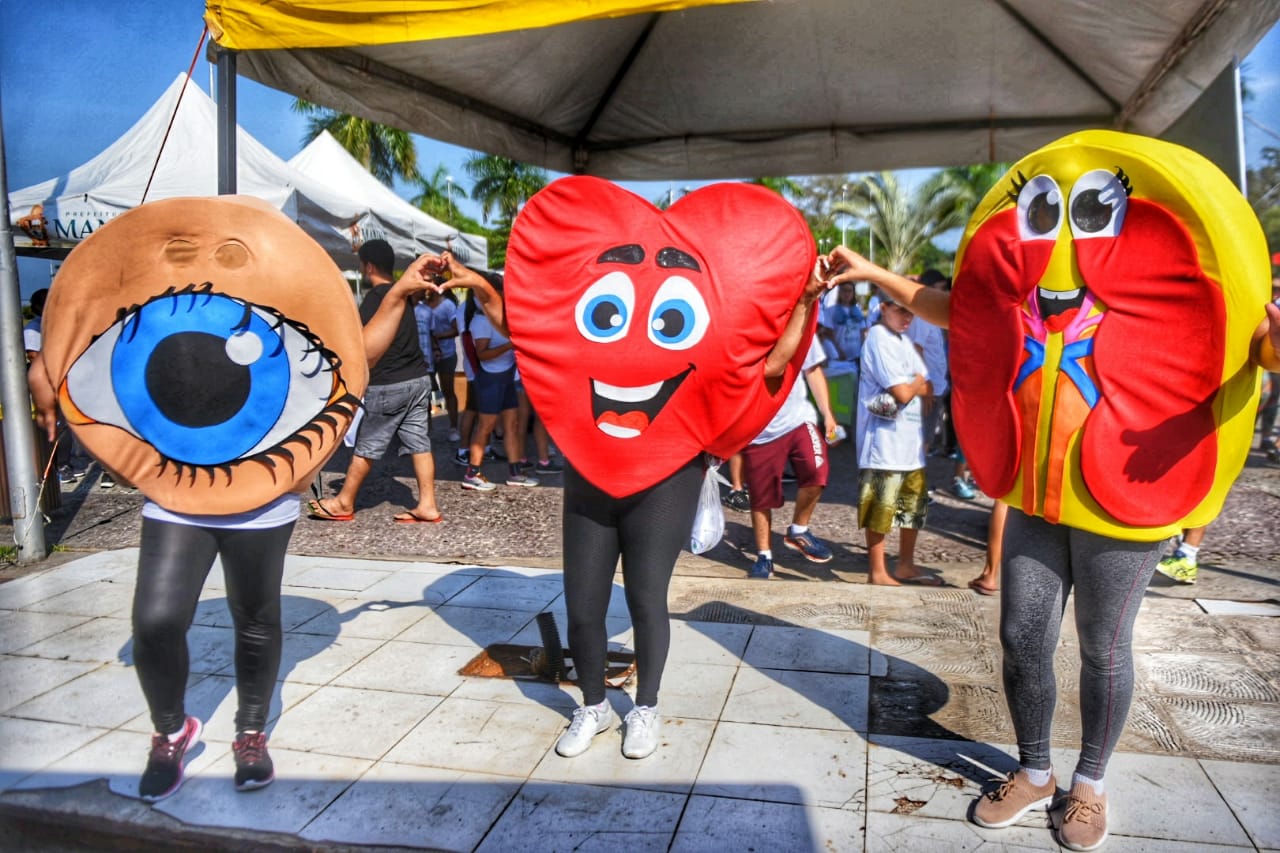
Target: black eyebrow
(669, 258)
(632, 253)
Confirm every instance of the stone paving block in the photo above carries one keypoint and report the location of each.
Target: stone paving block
(356, 723)
(412, 806)
(809, 650)
(297, 606)
(696, 690)
(484, 737)
(509, 592)
(103, 698)
(26, 591)
(318, 659)
(409, 667)
(1166, 797)
(786, 764)
(306, 783)
(585, 818)
(472, 627)
(24, 678)
(716, 824)
(336, 579)
(119, 757)
(932, 778)
(892, 833)
(517, 691)
(1253, 790)
(69, 637)
(107, 597)
(356, 617)
(708, 642)
(809, 699)
(426, 589)
(28, 746)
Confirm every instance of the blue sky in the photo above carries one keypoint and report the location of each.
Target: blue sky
(76, 74)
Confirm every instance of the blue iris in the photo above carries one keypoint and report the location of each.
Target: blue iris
(673, 321)
(190, 394)
(605, 316)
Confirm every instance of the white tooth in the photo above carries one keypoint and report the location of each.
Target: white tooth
(634, 394)
(1060, 294)
(618, 431)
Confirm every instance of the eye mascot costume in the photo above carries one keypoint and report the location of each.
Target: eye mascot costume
(210, 353)
(641, 336)
(1105, 297)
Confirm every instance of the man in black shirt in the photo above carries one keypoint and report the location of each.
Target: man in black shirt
(396, 404)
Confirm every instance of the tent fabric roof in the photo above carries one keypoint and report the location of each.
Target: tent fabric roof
(337, 210)
(778, 86)
(409, 230)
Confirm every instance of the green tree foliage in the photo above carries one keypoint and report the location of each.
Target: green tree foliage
(386, 152)
(1264, 195)
(438, 197)
(903, 223)
(502, 186)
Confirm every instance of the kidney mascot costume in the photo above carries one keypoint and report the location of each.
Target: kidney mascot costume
(641, 337)
(1105, 297)
(209, 352)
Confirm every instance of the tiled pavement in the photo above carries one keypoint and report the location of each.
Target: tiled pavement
(778, 730)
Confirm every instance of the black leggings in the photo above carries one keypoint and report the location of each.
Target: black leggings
(647, 530)
(172, 566)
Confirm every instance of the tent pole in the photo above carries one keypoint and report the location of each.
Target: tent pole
(19, 432)
(226, 70)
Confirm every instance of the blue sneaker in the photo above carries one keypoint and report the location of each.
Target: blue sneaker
(961, 489)
(811, 546)
(761, 569)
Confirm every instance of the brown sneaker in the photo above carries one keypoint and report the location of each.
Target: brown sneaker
(1015, 797)
(1084, 825)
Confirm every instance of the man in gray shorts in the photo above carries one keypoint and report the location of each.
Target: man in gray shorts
(397, 403)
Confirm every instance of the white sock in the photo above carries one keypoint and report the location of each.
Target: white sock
(1039, 778)
(799, 529)
(1095, 784)
(177, 736)
(766, 553)
(1191, 552)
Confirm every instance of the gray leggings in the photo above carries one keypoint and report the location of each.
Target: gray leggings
(1042, 563)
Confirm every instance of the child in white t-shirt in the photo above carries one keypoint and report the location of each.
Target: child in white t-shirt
(891, 455)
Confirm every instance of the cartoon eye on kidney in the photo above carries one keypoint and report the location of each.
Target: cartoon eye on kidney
(207, 350)
(1106, 291)
(641, 334)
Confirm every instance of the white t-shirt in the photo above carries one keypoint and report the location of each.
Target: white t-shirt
(929, 338)
(889, 444)
(480, 328)
(280, 511)
(31, 335)
(796, 409)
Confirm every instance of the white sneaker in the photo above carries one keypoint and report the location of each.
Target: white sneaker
(641, 736)
(454, 436)
(588, 721)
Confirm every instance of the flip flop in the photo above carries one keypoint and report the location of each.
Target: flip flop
(410, 518)
(316, 510)
(982, 589)
(922, 580)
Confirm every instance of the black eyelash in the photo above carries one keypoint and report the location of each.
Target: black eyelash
(1124, 181)
(1018, 181)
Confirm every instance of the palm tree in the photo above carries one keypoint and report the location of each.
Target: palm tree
(903, 223)
(386, 152)
(974, 182)
(788, 188)
(502, 184)
(437, 197)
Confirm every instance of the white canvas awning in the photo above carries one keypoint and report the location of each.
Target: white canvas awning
(409, 230)
(776, 87)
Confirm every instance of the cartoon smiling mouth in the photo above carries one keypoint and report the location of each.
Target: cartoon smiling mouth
(625, 411)
(1055, 302)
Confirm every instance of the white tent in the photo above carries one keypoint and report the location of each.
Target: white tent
(60, 212)
(405, 227)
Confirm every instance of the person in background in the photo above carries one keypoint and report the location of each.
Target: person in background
(443, 340)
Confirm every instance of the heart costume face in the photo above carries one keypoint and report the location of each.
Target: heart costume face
(641, 334)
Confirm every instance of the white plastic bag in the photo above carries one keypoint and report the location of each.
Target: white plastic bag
(708, 521)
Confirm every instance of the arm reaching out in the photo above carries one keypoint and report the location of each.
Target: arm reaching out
(775, 364)
(924, 302)
(1265, 351)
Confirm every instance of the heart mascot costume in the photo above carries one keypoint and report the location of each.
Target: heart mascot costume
(641, 337)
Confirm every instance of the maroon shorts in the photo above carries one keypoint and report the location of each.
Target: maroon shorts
(762, 464)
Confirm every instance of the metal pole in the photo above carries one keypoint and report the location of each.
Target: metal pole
(19, 432)
(844, 213)
(226, 67)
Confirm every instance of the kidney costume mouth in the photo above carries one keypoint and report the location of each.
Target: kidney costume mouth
(625, 411)
(1054, 302)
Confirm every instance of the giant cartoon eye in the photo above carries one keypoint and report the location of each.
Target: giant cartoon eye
(204, 378)
(679, 317)
(604, 311)
(1098, 203)
(1039, 209)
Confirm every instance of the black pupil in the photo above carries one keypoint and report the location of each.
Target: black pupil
(1042, 215)
(192, 381)
(672, 323)
(1089, 213)
(602, 316)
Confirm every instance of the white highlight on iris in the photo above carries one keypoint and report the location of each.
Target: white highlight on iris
(244, 348)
